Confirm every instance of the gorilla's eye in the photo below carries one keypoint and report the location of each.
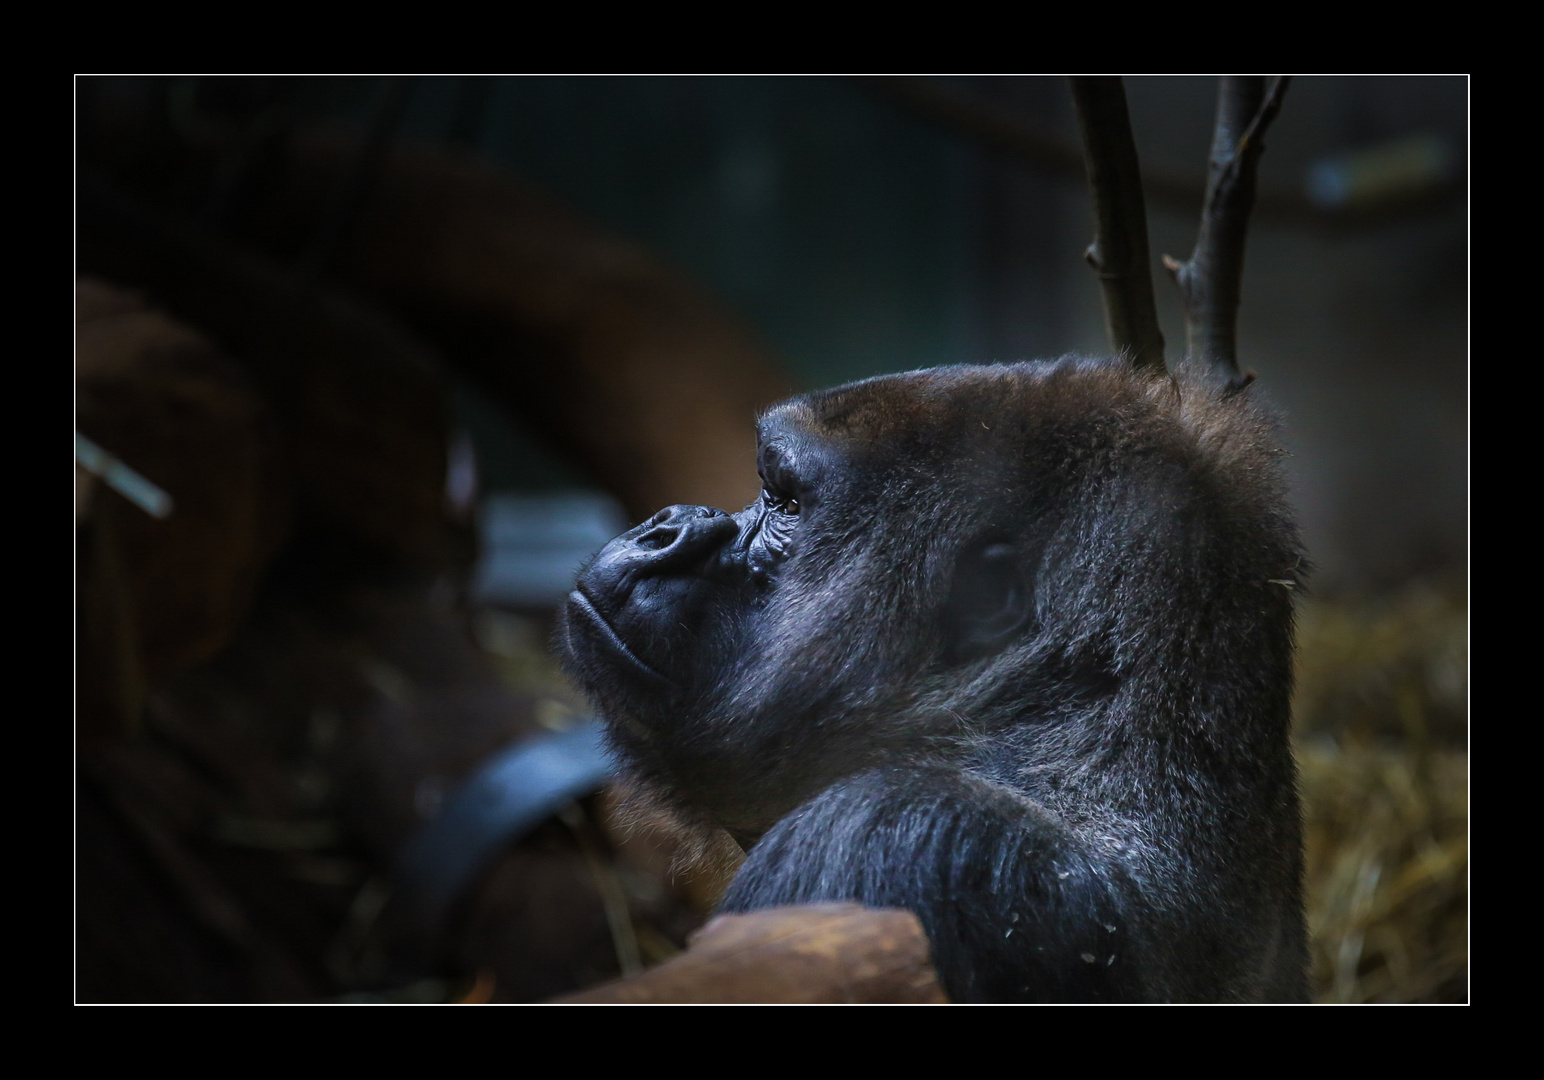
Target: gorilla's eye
(785, 503)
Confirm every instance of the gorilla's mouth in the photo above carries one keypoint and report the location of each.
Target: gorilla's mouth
(582, 610)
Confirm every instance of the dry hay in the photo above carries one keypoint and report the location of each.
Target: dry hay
(1381, 720)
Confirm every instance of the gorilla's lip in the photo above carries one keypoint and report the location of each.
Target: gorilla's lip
(582, 605)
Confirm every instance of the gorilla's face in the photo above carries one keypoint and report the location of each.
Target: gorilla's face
(743, 659)
(666, 607)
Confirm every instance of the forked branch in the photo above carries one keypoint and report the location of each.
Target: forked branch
(1210, 281)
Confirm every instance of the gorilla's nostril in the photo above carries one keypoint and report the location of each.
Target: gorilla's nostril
(657, 539)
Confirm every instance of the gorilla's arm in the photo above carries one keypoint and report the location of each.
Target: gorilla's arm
(1016, 907)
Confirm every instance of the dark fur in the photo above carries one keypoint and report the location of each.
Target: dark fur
(1019, 659)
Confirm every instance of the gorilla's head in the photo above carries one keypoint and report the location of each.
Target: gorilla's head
(994, 566)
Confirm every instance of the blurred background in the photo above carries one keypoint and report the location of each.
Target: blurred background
(366, 366)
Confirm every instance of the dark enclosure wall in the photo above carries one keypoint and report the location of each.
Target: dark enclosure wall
(857, 234)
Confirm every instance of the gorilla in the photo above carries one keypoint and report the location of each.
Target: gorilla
(1009, 646)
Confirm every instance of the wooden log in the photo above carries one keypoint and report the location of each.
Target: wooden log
(614, 357)
(819, 954)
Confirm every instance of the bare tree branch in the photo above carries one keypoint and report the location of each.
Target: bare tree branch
(1211, 280)
(1119, 252)
(1005, 130)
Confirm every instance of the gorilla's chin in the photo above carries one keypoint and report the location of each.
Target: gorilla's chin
(590, 641)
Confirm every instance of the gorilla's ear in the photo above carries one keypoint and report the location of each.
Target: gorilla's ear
(990, 601)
